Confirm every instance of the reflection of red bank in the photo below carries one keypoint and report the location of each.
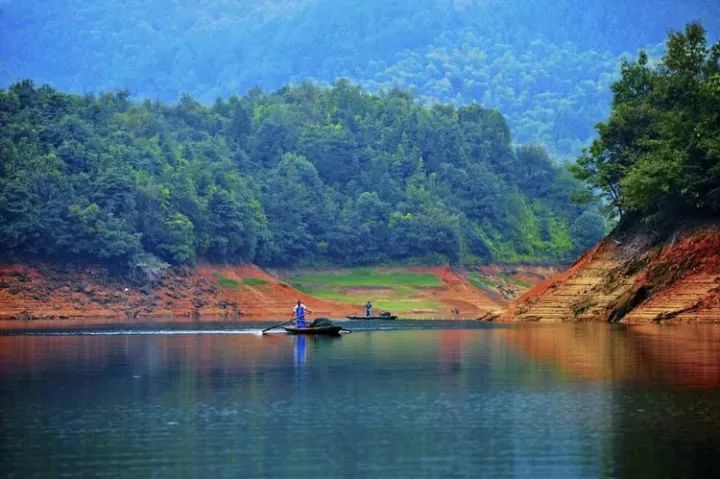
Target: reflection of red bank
(687, 355)
(451, 346)
(242, 352)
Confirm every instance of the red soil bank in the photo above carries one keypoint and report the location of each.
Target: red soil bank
(51, 292)
(54, 292)
(630, 278)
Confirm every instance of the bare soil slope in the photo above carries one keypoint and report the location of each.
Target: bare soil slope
(632, 278)
(207, 291)
(223, 292)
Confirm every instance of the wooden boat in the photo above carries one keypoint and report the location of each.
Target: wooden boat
(387, 317)
(326, 330)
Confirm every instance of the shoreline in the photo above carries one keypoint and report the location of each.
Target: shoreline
(231, 293)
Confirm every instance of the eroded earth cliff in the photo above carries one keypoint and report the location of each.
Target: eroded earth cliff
(633, 277)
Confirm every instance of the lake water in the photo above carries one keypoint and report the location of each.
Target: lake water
(403, 399)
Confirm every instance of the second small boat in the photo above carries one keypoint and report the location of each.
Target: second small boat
(384, 316)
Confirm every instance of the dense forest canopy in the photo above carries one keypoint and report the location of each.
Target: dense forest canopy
(307, 174)
(657, 156)
(546, 65)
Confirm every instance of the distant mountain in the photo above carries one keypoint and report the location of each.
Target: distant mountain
(546, 65)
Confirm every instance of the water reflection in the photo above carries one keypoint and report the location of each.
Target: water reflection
(300, 350)
(687, 355)
(664, 400)
(547, 401)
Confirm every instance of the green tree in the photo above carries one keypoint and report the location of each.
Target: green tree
(656, 156)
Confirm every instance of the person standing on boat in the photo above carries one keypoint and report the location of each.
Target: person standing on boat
(299, 314)
(368, 309)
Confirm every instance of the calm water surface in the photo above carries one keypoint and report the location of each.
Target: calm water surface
(421, 399)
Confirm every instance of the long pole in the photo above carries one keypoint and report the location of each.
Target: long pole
(277, 325)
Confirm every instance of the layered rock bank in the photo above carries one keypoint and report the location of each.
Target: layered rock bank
(632, 276)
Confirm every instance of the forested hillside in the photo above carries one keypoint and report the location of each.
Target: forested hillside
(546, 65)
(305, 175)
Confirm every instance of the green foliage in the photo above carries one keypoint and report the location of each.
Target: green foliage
(480, 281)
(234, 284)
(251, 281)
(178, 245)
(304, 175)
(225, 282)
(657, 156)
(396, 305)
(518, 282)
(586, 228)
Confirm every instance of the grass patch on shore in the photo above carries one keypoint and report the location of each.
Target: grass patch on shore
(327, 294)
(253, 281)
(394, 291)
(232, 283)
(225, 282)
(479, 281)
(517, 282)
(400, 305)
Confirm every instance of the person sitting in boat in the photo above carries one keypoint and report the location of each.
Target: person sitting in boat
(368, 309)
(299, 314)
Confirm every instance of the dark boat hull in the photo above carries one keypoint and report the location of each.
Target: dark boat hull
(368, 318)
(326, 330)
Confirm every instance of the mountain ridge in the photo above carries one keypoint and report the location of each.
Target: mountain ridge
(547, 69)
